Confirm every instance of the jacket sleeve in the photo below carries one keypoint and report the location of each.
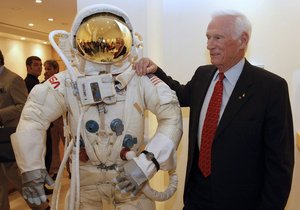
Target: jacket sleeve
(18, 93)
(183, 92)
(279, 149)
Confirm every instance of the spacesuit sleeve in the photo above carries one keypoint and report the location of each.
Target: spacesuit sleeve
(44, 105)
(163, 103)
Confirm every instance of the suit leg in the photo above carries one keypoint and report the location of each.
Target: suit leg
(198, 192)
(4, 202)
(48, 156)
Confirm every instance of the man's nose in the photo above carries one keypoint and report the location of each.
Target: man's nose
(209, 44)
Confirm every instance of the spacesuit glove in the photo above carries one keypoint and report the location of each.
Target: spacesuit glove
(33, 185)
(131, 178)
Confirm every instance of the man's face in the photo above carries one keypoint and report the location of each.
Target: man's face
(119, 43)
(35, 68)
(225, 50)
(49, 71)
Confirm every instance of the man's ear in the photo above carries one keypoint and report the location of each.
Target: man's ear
(244, 39)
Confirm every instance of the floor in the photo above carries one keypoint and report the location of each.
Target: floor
(17, 202)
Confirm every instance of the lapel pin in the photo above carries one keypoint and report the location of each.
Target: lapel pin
(242, 96)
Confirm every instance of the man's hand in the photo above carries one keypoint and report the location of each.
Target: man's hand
(131, 178)
(144, 66)
(33, 185)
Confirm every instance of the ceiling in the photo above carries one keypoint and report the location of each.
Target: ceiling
(15, 16)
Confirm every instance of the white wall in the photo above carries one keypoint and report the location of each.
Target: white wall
(174, 37)
(15, 53)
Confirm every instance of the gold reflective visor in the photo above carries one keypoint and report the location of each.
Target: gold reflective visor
(103, 39)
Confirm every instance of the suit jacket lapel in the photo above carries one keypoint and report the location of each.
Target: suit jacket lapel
(240, 95)
(202, 86)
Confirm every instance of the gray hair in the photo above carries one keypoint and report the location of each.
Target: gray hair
(241, 22)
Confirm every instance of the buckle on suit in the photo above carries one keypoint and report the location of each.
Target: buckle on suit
(102, 166)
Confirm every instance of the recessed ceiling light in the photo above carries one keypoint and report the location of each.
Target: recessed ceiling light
(45, 42)
(50, 19)
(38, 1)
(22, 38)
(30, 24)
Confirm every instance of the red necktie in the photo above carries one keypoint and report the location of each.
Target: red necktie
(210, 127)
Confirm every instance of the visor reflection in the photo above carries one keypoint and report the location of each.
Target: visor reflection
(103, 39)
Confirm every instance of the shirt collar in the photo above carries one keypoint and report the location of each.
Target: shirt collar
(233, 74)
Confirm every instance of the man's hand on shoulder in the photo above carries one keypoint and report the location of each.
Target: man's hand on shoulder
(144, 66)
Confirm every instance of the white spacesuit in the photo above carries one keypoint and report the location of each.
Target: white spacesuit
(103, 102)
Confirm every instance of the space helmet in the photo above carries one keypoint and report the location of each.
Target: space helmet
(102, 36)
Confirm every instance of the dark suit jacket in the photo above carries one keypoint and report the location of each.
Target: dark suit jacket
(31, 81)
(253, 150)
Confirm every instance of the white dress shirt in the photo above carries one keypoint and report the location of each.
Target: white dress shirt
(231, 77)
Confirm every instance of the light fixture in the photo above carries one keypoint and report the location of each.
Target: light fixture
(30, 24)
(50, 19)
(38, 1)
(22, 38)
